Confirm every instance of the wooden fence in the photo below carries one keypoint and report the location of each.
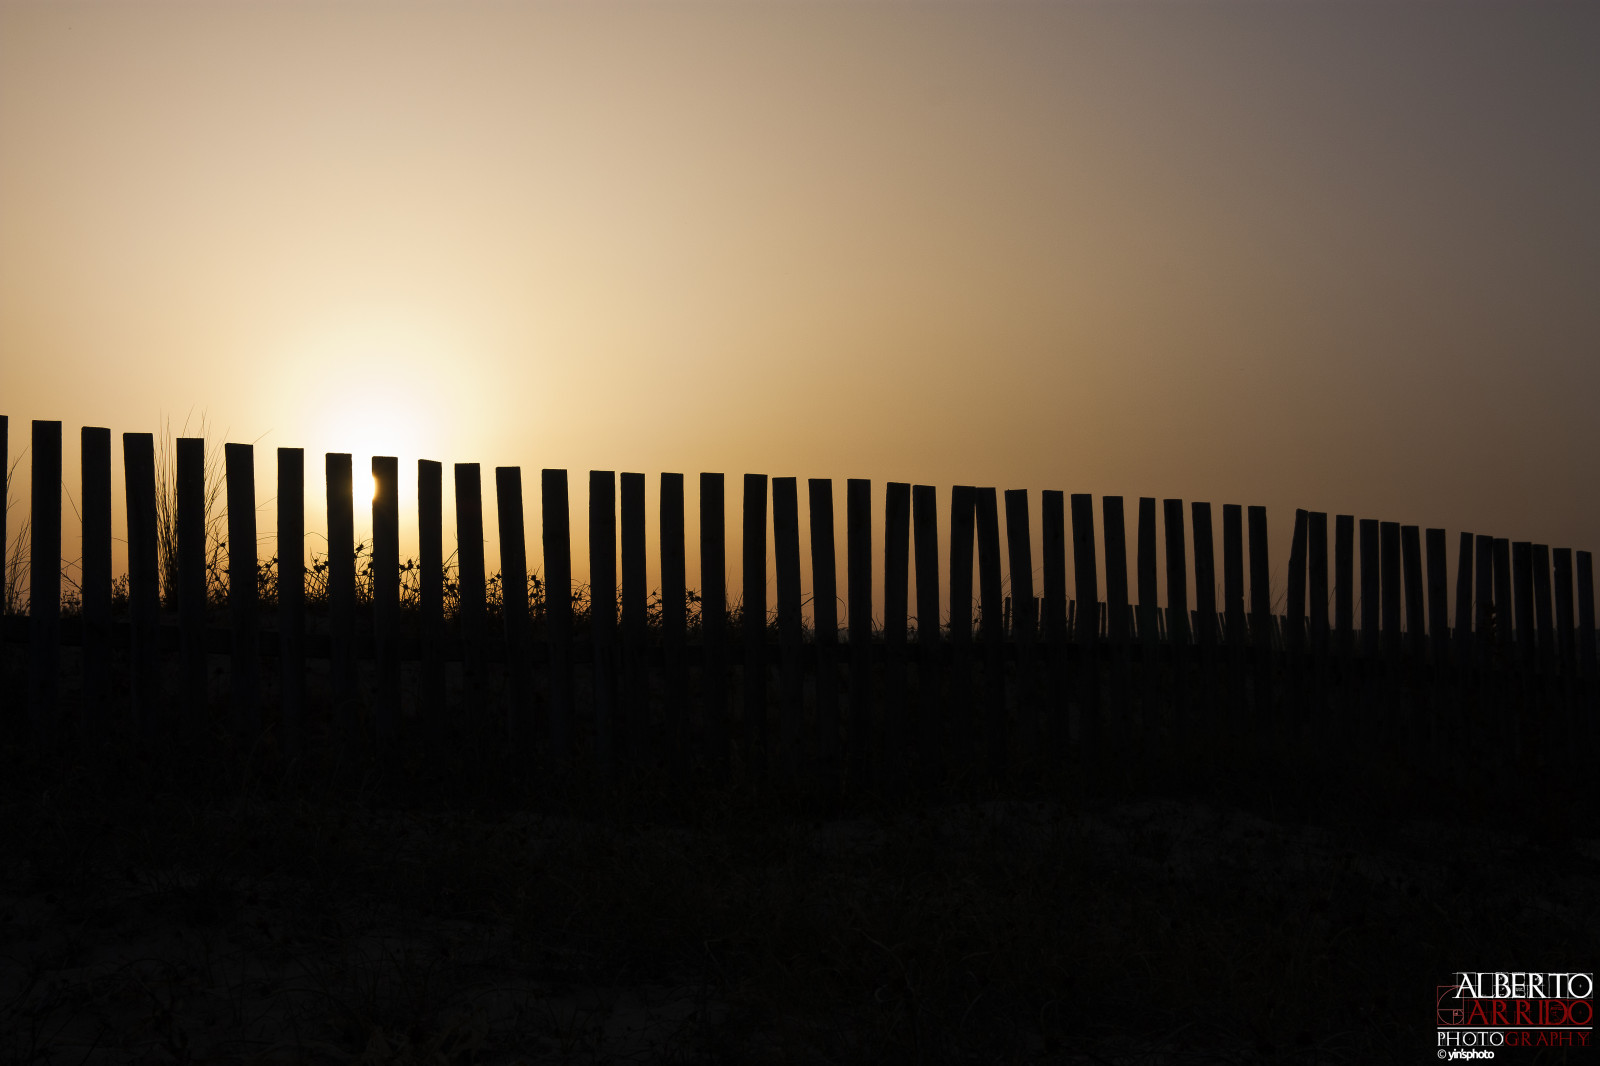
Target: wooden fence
(627, 683)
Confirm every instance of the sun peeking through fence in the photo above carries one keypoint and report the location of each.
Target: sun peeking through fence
(357, 644)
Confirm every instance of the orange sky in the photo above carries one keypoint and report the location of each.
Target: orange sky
(1338, 256)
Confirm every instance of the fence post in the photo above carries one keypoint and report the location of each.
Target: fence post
(1317, 586)
(292, 596)
(674, 606)
(342, 594)
(825, 624)
(858, 567)
(1483, 612)
(1086, 635)
(1463, 630)
(96, 588)
(44, 584)
(471, 606)
(927, 732)
(753, 613)
(1586, 646)
(1522, 596)
(896, 595)
(713, 616)
(1544, 614)
(386, 594)
(245, 663)
(633, 710)
(1416, 610)
(1295, 594)
(603, 614)
(991, 629)
(1178, 611)
(1371, 589)
(1053, 612)
(1149, 628)
(1261, 614)
(519, 721)
(1344, 531)
(786, 547)
(1119, 621)
(1205, 597)
(1389, 566)
(1565, 633)
(5, 544)
(430, 599)
(194, 650)
(1023, 638)
(557, 542)
(961, 737)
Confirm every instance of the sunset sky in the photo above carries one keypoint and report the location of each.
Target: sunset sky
(1341, 256)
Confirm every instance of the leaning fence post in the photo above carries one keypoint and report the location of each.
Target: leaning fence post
(1020, 551)
(1086, 585)
(1261, 611)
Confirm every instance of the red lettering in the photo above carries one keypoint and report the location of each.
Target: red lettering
(1499, 1011)
(1475, 1015)
(1522, 1012)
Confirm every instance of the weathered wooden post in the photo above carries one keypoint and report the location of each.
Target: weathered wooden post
(674, 606)
(1086, 589)
(633, 709)
(519, 726)
(990, 629)
(825, 625)
(511, 521)
(1153, 698)
(896, 596)
(1023, 636)
(44, 585)
(1261, 617)
(1205, 598)
(96, 587)
(713, 620)
(471, 591)
(242, 608)
(342, 595)
(926, 735)
(430, 599)
(603, 615)
(292, 598)
(753, 614)
(858, 574)
(1053, 617)
(191, 593)
(791, 681)
(961, 739)
(386, 595)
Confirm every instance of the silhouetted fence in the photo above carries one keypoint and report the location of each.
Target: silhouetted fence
(631, 681)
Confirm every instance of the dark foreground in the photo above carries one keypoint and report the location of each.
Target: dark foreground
(437, 908)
